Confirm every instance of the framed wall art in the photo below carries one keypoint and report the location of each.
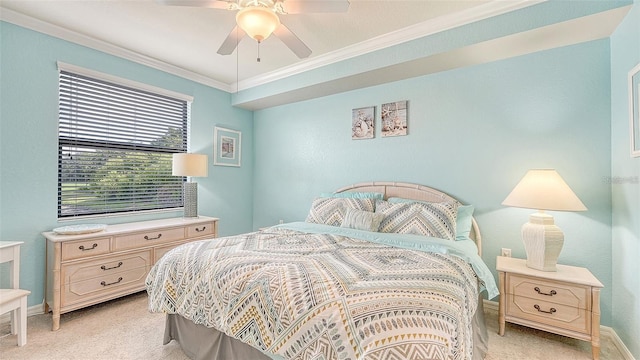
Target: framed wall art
(363, 123)
(227, 147)
(394, 118)
(634, 110)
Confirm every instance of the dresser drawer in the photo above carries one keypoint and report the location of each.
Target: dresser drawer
(161, 250)
(104, 286)
(148, 238)
(545, 312)
(105, 266)
(84, 248)
(201, 230)
(550, 291)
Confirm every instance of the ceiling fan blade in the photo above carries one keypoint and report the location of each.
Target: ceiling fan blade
(231, 42)
(314, 6)
(292, 41)
(215, 4)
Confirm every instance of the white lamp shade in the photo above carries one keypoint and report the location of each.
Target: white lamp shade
(257, 21)
(544, 189)
(188, 164)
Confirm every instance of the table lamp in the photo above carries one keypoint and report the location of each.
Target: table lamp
(192, 165)
(543, 189)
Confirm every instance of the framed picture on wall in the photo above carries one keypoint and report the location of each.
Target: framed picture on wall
(227, 147)
(363, 123)
(394, 118)
(634, 110)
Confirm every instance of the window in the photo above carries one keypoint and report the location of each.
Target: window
(115, 144)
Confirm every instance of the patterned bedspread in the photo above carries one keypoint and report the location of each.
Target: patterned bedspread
(321, 296)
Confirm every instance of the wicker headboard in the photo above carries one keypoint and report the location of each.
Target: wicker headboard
(414, 192)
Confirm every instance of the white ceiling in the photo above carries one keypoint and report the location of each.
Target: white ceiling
(184, 40)
(188, 37)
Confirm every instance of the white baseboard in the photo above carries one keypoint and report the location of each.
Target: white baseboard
(608, 332)
(491, 305)
(605, 331)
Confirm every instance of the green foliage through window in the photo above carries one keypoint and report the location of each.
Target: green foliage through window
(115, 147)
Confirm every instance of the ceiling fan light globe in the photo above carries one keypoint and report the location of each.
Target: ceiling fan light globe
(258, 22)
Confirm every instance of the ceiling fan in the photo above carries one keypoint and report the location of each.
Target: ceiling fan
(259, 19)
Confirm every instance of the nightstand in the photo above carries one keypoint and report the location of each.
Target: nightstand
(564, 302)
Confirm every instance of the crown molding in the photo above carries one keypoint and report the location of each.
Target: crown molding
(419, 30)
(423, 29)
(60, 32)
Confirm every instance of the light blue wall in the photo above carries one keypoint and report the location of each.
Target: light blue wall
(473, 133)
(332, 78)
(625, 54)
(29, 146)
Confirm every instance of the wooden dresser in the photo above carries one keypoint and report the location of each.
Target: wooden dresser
(565, 302)
(87, 269)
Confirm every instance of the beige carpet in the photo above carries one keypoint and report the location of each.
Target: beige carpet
(123, 329)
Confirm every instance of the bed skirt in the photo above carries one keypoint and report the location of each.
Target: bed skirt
(202, 343)
(199, 342)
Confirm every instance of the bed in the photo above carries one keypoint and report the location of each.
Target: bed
(360, 278)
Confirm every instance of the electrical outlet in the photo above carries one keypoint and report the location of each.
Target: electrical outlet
(505, 252)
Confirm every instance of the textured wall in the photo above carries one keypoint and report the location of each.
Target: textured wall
(625, 54)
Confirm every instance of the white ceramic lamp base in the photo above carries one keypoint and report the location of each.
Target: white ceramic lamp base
(543, 242)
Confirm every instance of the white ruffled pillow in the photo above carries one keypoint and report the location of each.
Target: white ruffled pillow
(362, 220)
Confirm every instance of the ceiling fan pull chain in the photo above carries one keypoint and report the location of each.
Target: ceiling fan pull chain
(258, 59)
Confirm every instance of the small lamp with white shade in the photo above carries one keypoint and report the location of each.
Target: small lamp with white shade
(192, 165)
(543, 189)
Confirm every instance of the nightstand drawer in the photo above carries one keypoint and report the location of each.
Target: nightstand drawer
(148, 238)
(550, 291)
(553, 314)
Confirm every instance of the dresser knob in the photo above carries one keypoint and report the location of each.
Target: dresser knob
(537, 289)
(201, 230)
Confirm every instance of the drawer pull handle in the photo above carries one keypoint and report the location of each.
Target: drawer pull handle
(120, 279)
(81, 247)
(551, 311)
(201, 230)
(537, 289)
(113, 267)
(146, 237)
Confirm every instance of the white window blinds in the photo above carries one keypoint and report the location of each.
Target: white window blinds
(115, 144)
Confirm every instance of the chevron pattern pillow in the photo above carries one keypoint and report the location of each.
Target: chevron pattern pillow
(332, 211)
(428, 219)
